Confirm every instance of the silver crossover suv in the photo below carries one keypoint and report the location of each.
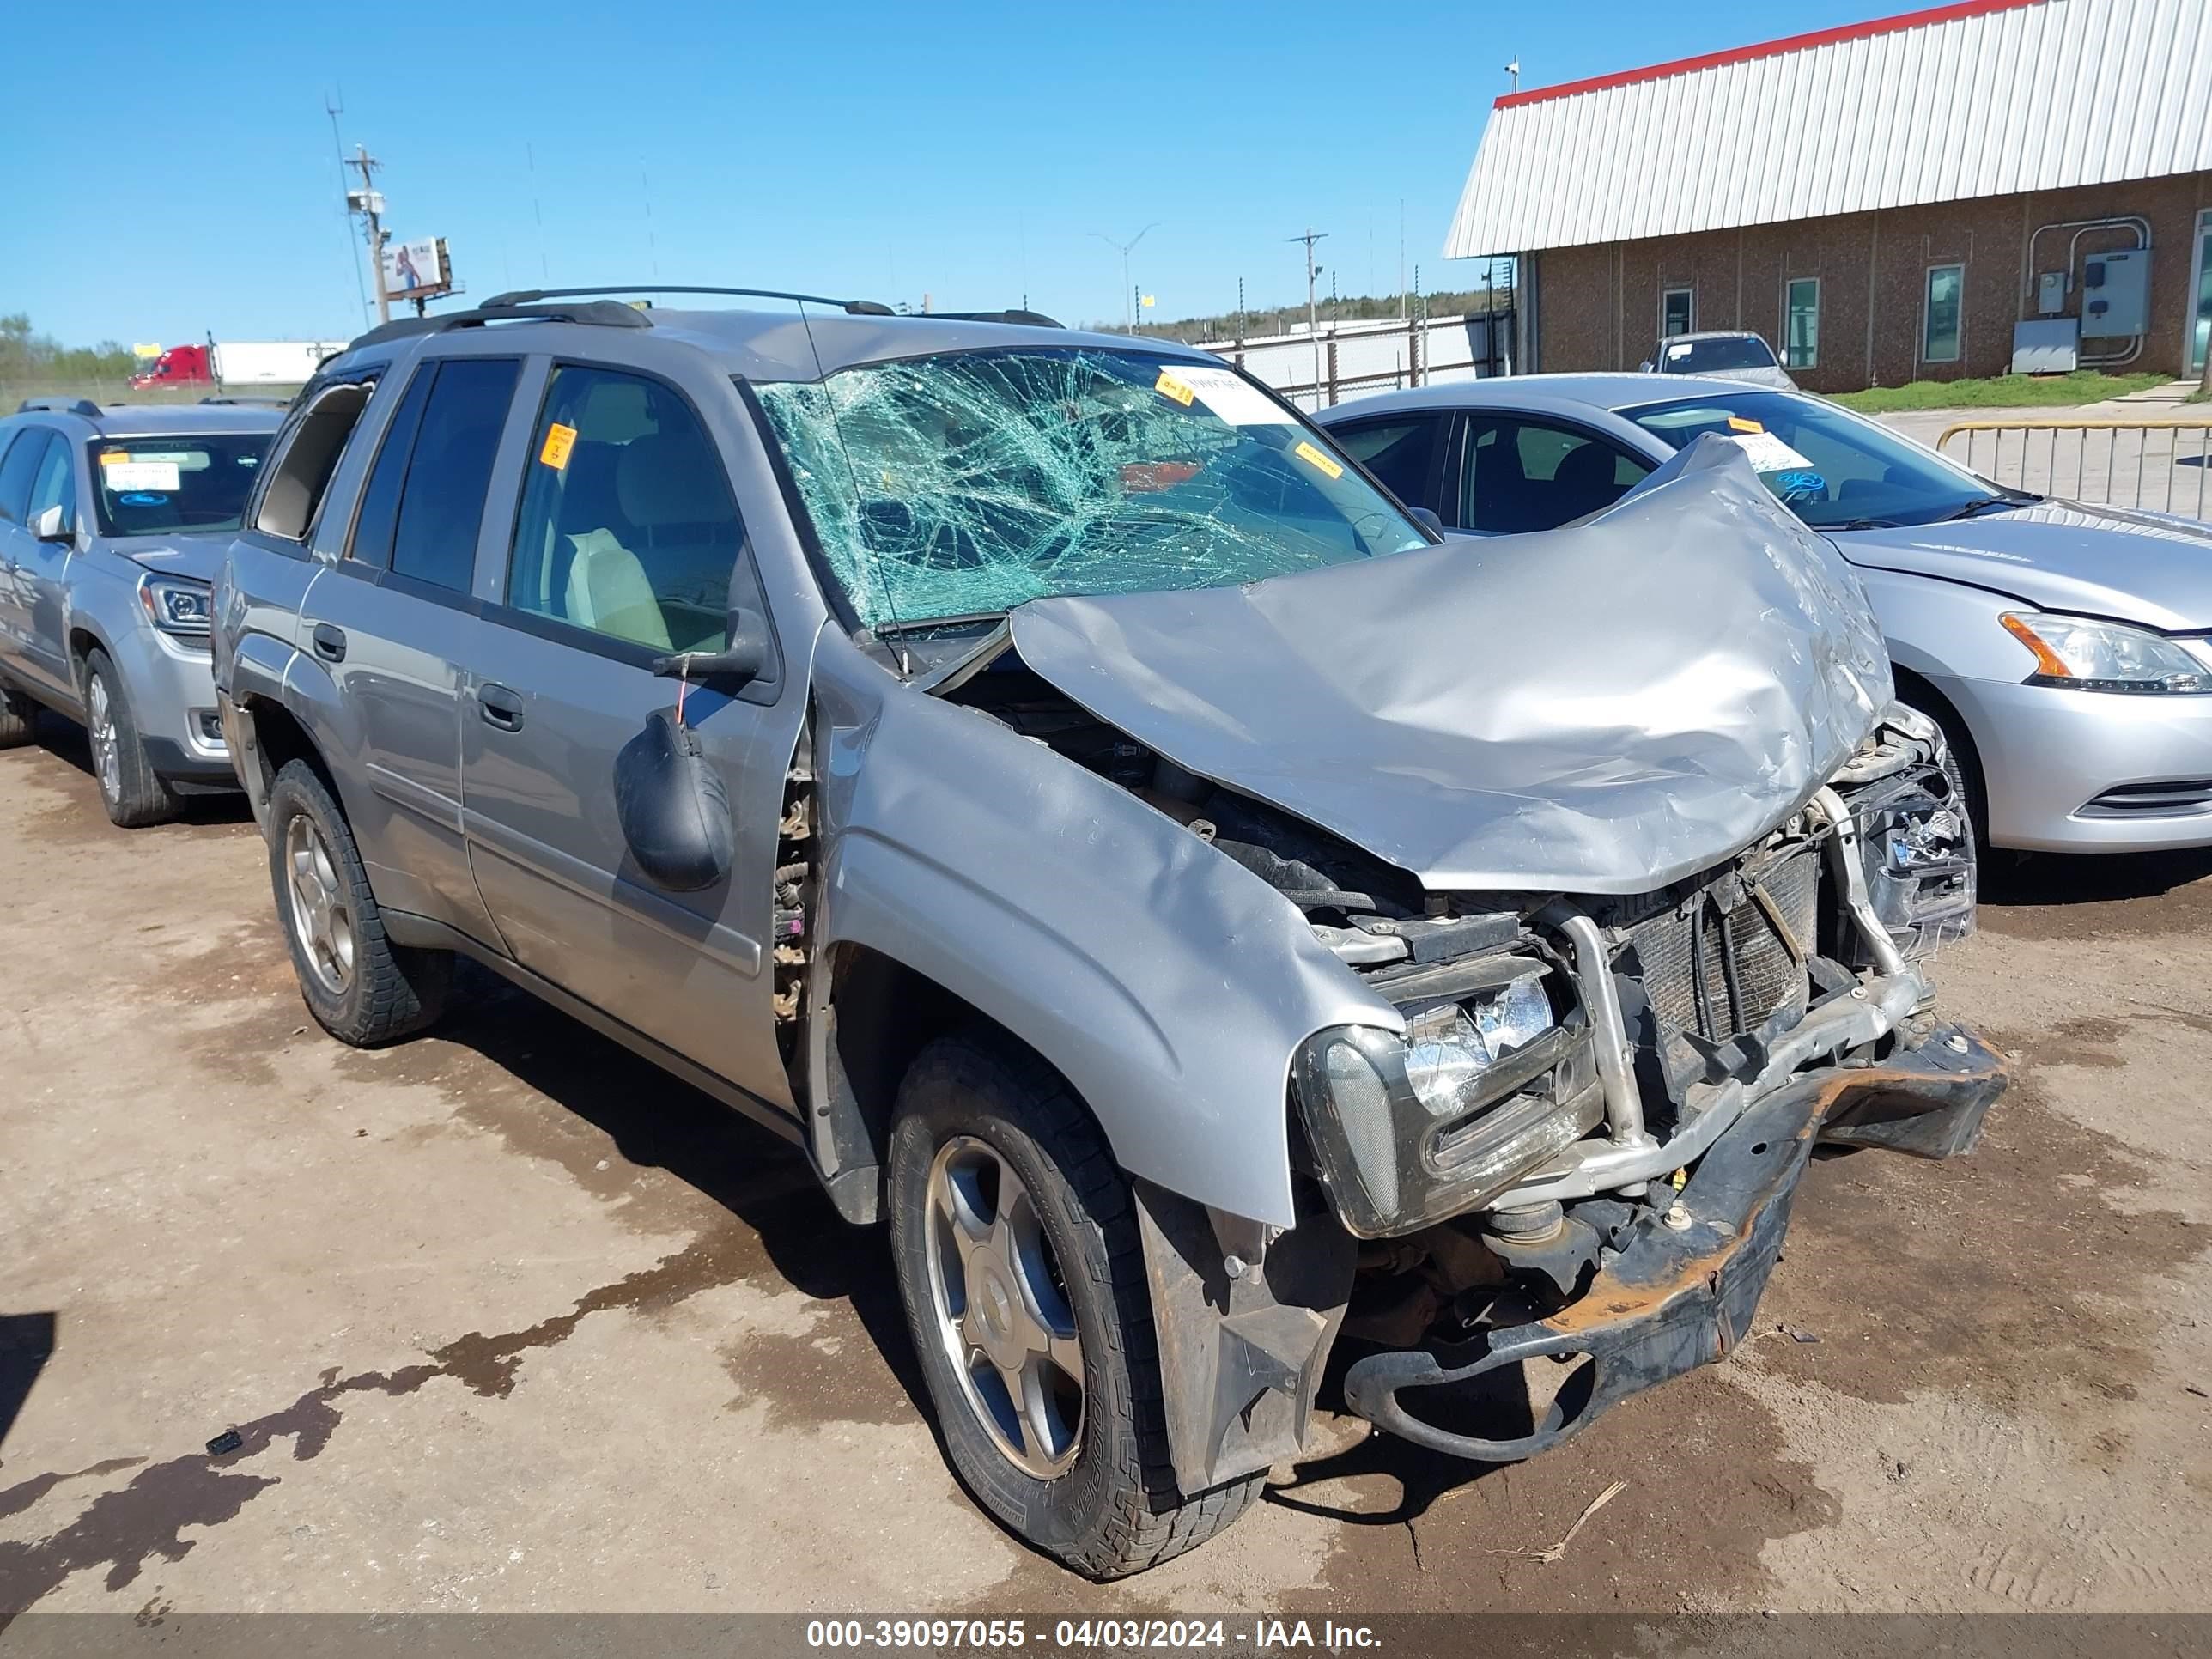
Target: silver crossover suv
(1216, 927)
(111, 520)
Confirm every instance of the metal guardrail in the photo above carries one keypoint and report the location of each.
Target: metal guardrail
(2160, 447)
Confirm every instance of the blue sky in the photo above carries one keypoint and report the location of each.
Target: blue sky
(187, 182)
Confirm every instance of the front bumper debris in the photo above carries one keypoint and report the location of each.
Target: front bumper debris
(1677, 1299)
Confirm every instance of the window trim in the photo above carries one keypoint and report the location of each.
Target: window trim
(559, 629)
(1690, 290)
(1927, 307)
(1813, 361)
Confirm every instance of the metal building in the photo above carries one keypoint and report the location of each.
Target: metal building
(1916, 197)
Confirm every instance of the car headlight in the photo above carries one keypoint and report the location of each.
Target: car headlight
(2087, 656)
(176, 604)
(1484, 1084)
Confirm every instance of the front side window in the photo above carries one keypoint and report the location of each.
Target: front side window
(1523, 475)
(174, 483)
(54, 486)
(18, 468)
(1834, 470)
(1397, 452)
(1801, 329)
(1678, 312)
(627, 525)
(1940, 327)
(964, 483)
(441, 503)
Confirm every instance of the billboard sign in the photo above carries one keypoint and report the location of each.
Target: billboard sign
(416, 269)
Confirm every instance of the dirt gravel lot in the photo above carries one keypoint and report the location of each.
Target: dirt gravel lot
(509, 1320)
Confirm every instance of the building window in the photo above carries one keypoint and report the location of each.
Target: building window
(1801, 323)
(1941, 326)
(1678, 312)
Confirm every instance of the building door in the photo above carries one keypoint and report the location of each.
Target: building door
(2200, 285)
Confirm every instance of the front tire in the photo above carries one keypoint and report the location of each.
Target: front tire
(134, 794)
(1016, 1242)
(361, 988)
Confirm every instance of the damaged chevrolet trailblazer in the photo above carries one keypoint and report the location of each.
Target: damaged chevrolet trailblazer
(1213, 923)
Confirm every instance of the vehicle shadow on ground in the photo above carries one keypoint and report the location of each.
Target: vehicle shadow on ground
(26, 1342)
(658, 1122)
(2046, 878)
(1495, 1406)
(68, 742)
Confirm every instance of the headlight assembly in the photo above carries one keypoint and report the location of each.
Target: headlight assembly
(1486, 1083)
(176, 605)
(2086, 655)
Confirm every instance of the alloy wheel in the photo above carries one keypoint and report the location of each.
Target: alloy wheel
(1002, 1307)
(107, 741)
(321, 907)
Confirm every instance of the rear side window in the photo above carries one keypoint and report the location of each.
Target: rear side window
(1397, 452)
(307, 455)
(379, 501)
(17, 469)
(441, 502)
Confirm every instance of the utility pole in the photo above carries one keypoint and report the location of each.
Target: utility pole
(334, 108)
(368, 201)
(1124, 249)
(1313, 317)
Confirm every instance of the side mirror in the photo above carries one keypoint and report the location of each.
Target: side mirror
(744, 660)
(1427, 520)
(673, 810)
(1644, 367)
(51, 524)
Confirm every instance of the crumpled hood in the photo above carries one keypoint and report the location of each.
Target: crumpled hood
(196, 556)
(1601, 708)
(2145, 568)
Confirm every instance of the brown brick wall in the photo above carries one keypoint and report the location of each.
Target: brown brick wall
(1598, 307)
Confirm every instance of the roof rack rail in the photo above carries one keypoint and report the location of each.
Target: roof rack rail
(1018, 316)
(605, 314)
(855, 307)
(83, 406)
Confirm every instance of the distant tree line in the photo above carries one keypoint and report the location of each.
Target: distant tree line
(31, 358)
(1279, 320)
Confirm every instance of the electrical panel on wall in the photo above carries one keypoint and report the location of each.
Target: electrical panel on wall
(2050, 292)
(2116, 294)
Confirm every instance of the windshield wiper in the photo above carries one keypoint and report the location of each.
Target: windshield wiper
(1857, 524)
(1984, 503)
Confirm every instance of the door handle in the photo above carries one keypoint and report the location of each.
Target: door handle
(330, 643)
(500, 706)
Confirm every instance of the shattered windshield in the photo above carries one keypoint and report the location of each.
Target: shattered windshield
(968, 482)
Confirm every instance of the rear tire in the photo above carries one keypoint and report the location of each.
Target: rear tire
(979, 1115)
(361, 988)
(19, 719)
(134, 794)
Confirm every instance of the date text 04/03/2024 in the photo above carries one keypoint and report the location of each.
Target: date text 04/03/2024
(1256, 1635)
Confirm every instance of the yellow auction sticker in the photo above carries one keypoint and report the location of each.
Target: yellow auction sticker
(114, 458)
(1737, 423)
(559, 440)
(1168, 386)
(1313, 457)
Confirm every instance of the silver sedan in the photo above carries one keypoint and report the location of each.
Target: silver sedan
(2066, 649)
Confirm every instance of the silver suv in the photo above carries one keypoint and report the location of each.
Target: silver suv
(1215, 924)
(112, 521)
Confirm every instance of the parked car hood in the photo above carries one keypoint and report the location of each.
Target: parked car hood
(1600, 708)
(196, 556)
(2143, 568)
